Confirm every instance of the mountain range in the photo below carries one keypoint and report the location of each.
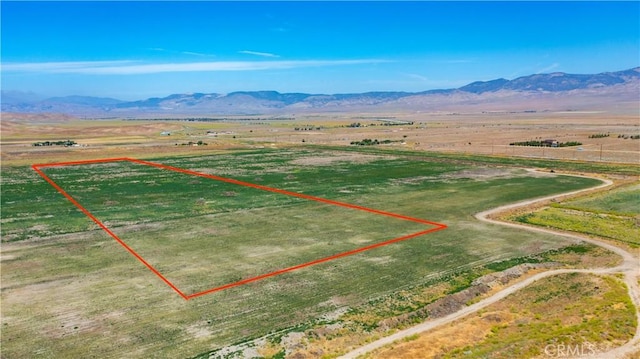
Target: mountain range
(538, 92)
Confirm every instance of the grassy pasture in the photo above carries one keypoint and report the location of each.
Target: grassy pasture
(68, 289)
(621, 201)
(613, 214)
(245, 231)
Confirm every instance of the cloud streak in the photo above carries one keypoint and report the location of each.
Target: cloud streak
(189, 53)
(196, 54)
(139, 68)
(548, 68)
(417, 77)
(61, 67)
(262, 54)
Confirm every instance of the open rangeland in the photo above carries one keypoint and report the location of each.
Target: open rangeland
(613, 215)
(66, 283)
(70, 290)
(605, 136)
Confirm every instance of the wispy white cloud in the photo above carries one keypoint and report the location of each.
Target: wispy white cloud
(262, 54)
(197, 54)
(417, 77)
(136, 68)
(62, 67)
(415, 82)
(190, 53)
(548, 68)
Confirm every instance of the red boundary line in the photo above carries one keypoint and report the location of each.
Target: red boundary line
(36, 167)
(99, 223)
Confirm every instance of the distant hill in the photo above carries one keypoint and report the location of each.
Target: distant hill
(13, 101)
(534, 92)
(555, 82)
(85, 100)
(19, 97)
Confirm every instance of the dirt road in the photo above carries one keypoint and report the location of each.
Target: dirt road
(630, 268)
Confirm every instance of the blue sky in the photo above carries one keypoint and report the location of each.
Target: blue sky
(135, 50)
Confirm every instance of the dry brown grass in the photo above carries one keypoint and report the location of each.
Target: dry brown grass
(480, 133)
(524, 314)
(450, 337)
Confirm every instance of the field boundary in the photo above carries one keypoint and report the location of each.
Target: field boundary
(435, 226)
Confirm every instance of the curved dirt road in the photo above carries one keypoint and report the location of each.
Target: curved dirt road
(630, 267)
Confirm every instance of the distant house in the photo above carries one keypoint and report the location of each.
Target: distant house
(550, 143)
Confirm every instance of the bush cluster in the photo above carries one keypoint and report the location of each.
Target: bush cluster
(545, 144)
(66, 143)
(370, 142)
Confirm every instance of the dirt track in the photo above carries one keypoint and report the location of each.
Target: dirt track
(630, 267)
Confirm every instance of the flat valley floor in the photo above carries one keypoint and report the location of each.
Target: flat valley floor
(70, 290)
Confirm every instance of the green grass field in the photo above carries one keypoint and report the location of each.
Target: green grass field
(66, 283)
(622, 201)
(245, 232)
(613, 214)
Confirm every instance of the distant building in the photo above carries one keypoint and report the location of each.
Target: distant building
(550, 143)
(165, 133)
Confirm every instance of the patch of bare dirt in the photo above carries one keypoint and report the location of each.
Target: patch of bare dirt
(380, 260)
(330, 160)
(476, 174)
(198, 331)
(72, 323)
